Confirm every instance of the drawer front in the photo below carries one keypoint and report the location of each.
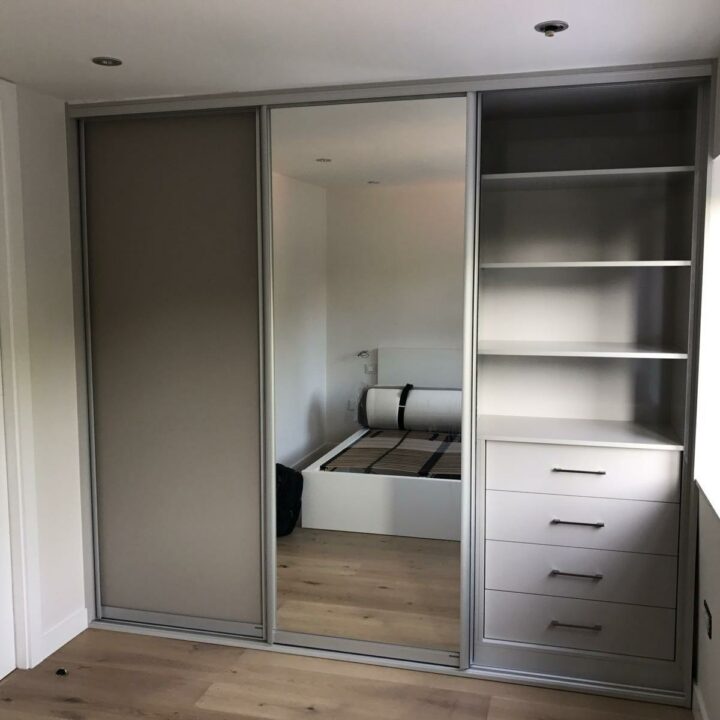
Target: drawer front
(628, 525)
(620, 577)
(603, 627)
(581, 470)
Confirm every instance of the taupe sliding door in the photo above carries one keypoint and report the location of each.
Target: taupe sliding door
(172, 259)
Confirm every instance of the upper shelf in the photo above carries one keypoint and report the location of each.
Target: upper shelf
(582, 264)
(564, 177)
(577, 349)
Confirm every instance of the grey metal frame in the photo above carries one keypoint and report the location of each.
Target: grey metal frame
(76, 195)
(268, 378)
(440, 658)
(469, 418)
(471, 87)
(182, 622)
(343, 93)
(88, 372)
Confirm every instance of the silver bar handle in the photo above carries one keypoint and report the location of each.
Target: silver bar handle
(586, 576)
(580, 472)
(572, 626)
(556, 521)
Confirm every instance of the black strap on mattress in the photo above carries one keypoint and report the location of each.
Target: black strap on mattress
(369, 468)
(401, 406)
(432, 460)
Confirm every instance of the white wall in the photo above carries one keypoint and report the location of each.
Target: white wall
(708, 649)
(300, 316)
(37, 331)
(395, 278)
(707, 467)
(707, 458)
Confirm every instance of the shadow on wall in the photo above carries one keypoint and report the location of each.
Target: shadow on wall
(314, 426)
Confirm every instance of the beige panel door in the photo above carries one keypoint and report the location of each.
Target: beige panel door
(174, 311)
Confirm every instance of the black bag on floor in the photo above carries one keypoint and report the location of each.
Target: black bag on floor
(288, 498)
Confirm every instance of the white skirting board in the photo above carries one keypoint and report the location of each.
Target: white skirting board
(380, 504)
(698, 704)
(60, 634)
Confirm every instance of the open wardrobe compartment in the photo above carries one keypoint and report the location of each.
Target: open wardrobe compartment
(451, 335)
(587, 267)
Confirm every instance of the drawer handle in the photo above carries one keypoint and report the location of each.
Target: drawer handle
(555, 521)
(581, 472)
(586, 576)
(572, 626)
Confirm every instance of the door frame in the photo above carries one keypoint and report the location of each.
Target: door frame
(8, 657)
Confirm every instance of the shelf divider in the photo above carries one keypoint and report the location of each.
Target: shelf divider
(577, 349)
(550, 176)
(585, 264)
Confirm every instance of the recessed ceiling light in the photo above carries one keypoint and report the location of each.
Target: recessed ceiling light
(107, 61)
(550, 27)
(323, 160)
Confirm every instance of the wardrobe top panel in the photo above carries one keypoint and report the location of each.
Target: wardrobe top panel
(577, 100)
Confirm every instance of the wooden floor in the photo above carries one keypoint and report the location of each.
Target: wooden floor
(380, 588)
(118, 675)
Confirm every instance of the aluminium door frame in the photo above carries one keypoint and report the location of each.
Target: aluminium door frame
(459, 658)
(81, 277)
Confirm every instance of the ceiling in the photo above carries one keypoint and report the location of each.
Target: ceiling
(392, 143)
(189, 47)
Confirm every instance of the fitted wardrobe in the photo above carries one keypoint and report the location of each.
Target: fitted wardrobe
(583, 229)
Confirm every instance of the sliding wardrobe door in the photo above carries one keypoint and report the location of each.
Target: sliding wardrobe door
(172, 270)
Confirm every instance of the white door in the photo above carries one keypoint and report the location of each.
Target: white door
(7, 631)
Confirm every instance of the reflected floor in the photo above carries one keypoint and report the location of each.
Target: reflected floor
(378, 588)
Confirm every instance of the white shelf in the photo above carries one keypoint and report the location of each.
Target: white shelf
(572, 431)
(562, 177)
(588, 264)
(577, 349)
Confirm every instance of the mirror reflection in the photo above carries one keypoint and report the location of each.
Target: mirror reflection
(368, 242)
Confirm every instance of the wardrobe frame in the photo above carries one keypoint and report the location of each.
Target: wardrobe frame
(262, 103)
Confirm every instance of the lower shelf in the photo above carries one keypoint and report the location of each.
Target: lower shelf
(573, 431)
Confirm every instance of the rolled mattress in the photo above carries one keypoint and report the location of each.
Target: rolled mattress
(411, 408)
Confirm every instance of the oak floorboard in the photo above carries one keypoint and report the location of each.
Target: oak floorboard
(115, 675)
(378, 588)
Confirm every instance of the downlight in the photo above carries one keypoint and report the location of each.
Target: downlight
(550, 28)
(107, 61)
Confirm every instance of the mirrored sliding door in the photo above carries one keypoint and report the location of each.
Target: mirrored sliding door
(368, 210)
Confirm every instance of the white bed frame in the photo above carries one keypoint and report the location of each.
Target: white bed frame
(389, 504)
(383, 504)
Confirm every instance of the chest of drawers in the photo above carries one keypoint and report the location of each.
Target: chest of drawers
(581, 547)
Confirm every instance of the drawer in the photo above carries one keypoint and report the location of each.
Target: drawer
(604, 627)
(628, 525)
(620, 577)
(581, 470)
